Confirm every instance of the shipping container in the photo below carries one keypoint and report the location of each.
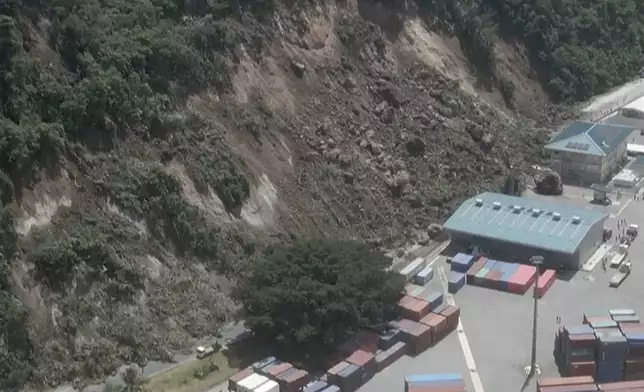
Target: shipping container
(293, 380)
(420, 339)
(405, 306)
(630, 319)
(455, 281)
(438, 325)
(493, 279)
(587, 368)
(580, 341)
(451, 313)
(522, 279)
(571, 388)
(595, 313)
(424, 378)
(475, 268)
(440, 308)
(462, 262)
(331, 388)
(425, 276)
(545, 281)
(479, 278)
(273, 371)
(609, 371)
(389, 338)
(434, 298)
(234, 380)
(364, 359)
(509, 269)
(621, 312)
(390, 355)
(600, 324)
(261, 364)
(413, 268)
(268, 386)
(332, 374)
(315, 386)
(561, 381)
(350, 378)
(622, 385)
(583, 329)
(251, 382)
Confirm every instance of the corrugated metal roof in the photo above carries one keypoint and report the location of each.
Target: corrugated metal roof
(590, 138)
(535, 223)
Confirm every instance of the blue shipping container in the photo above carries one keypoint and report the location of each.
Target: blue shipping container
(332, 388)
(315, 386)
(262, 363)
(455, 281)
(609, 371)
(349, 371)
(508, 271)
(423, 378)
(434, 299)
(424, 276)
(461, 262)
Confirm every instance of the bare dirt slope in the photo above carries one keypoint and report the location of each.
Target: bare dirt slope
(352, 123)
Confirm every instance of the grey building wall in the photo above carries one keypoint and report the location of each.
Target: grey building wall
(576, 167)
(506, 251)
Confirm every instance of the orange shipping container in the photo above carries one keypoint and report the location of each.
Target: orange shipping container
(561, 381)
(451, 313)
(275, 370)
(622, 386)
(578, 369)
(419, 310)
(438, 325)
(421, 339)
(363, 359)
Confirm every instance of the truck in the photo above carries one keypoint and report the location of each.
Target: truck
(622, 272)
(206, 351)
(619, 256)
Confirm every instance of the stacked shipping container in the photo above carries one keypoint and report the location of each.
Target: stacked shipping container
(434, 382)
(608, 346)
(508, 277)
(567, 384)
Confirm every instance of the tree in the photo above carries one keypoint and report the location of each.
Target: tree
(312, 294)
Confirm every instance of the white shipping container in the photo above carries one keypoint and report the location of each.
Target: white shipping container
(424, 276)
(251, 382)
(413, 268)
(270, 386)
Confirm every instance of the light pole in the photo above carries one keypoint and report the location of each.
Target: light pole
(537, 261)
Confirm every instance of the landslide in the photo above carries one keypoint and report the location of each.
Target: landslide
(149, 148)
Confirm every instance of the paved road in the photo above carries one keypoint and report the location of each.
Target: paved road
(229, 333)
(604, 105)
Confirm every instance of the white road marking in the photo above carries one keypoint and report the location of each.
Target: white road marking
(625, 205)
(465, 346)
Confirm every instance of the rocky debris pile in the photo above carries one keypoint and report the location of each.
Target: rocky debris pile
(548, 182)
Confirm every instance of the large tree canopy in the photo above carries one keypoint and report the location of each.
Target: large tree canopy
(314, 293)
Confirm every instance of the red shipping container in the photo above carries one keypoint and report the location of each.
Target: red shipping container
(451, 313)
(561, 381)
(438, 325)
(522, 279)
(545, 281)
(293, 380)
(405, 306)
(634, 366)
(579, 369)
(363, 359)
(581, 341)
(275, 370)
(232, 382)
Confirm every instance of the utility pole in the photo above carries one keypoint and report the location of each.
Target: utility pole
(537, 261)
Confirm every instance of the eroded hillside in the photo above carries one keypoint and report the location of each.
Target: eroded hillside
(150, 148)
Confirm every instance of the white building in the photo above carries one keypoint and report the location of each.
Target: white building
(586, 152)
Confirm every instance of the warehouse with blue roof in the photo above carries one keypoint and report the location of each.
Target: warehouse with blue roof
(515, 228)
(587, 152)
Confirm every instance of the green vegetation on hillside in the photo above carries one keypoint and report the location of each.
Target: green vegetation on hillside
(581, 48)
(311, 295)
